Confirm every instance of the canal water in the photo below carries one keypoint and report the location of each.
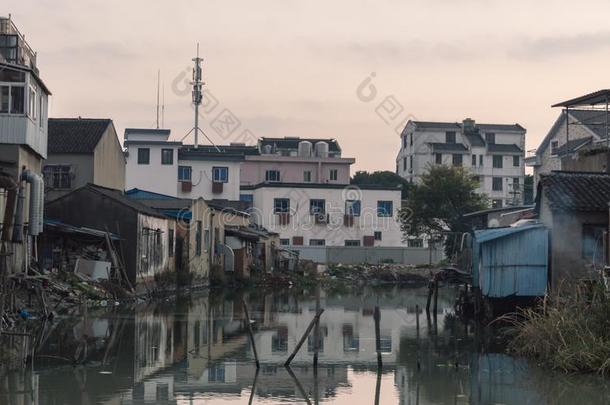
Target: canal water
(197, 350)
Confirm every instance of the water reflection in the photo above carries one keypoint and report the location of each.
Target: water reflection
(196, 350)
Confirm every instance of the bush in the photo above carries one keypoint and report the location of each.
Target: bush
(571, 331)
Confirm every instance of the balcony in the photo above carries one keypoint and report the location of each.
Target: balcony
(13, 47)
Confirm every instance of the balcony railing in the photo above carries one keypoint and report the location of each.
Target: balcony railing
(23, 54)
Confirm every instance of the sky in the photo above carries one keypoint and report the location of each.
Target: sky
(353, 70)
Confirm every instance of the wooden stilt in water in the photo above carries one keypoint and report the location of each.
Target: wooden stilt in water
(253, 386)
(417, 319)
(430, 289)
(297, 384)
(250, 334)
(307, 332)
(377, 316)
(435, 296)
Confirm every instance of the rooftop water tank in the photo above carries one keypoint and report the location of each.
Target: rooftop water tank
(305, 148)
(322, 149)
(267, 149)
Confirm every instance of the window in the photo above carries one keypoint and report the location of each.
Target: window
(554, 147)
(284, 242)
(143, 156)
(411, 162)
(490, 137)
(350, 242)
(415, 243)
(377, 235)
(307, 176)
(516, 161)
(352, 207)
(404, 163)
(481, 160)
(216, 373)
(497, 161)
(32, 103)
(496, 183)
(496, 203)
(5, 99)
(456, 159)
(334, 174)
(438, 158)
(317, 207)
(220, 174)
(58, 176)
(474, 160)
(384, 208)
(516, 184)
(450, 137)
(272, 175)
(41, 111)
(477, 180)
(167, 156)
(592, 242)
(198, 238)
(404, 141)
(185, 173)
(317, 242)
(279, 341)
(17, 100)
(410, 139)
(351, 341)
(281, 205)
(170, 242)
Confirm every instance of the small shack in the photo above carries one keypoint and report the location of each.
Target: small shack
(146, 235)
(511, 264)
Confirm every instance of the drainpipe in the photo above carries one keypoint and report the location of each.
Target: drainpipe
(18, 228)
(36, 191)
(11, 186)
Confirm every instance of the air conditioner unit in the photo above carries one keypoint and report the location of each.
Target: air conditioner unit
(320, 218)
(217, 187)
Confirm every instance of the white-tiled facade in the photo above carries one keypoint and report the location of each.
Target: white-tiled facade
(375, 223)
(493, 153)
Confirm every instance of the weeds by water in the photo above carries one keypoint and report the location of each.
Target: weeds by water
(569, 332)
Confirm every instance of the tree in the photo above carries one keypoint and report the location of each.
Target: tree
(528, 190)
(383, 178)
(437, 204)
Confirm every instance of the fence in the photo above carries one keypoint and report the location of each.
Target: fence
(372, 255)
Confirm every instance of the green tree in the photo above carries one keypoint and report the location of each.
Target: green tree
(528, 190)
(436, 205)
(383, 178)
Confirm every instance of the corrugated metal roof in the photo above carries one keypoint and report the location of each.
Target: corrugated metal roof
(511, 261)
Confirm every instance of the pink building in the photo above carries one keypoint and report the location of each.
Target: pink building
(296, 160)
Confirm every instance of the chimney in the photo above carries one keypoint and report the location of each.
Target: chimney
(468, 125)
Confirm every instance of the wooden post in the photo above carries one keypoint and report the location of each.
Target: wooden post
(253, 386)
(249, 327)
(307, 332)
(378, 387)
(435, 296)
(430, 289)
(297, 384)
(417, 319)
(377, 316)
(316, 335)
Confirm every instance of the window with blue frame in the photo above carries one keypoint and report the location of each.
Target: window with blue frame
(220, 174)
(352, 207)
(185, 173)
(384, 208)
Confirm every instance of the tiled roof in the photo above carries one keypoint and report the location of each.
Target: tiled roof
(293, 143)
(457, 126)
(503, 148)
(121, 198)
(575, 191)
(573, 145)
(448, 147)
(475, 139)
(75, 135)
(595, 121)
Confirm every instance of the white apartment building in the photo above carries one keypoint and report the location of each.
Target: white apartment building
(493, 153)
(327, 214)
(154, 163)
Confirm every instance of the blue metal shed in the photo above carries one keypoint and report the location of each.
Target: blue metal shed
(511, 261)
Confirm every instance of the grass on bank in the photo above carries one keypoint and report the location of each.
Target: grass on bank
(570, 332)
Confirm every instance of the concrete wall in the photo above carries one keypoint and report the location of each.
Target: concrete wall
(153, 246)
(355, 255)
(109, 161)
(202, 180)
(587, 161)
(335, 233)
(199, 264)
(292, 169)
(82, 168)
(153, 176)
(566, 230)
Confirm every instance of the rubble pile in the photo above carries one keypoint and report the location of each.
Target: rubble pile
(383, 273)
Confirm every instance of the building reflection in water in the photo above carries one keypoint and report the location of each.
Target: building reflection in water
(198, 348)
